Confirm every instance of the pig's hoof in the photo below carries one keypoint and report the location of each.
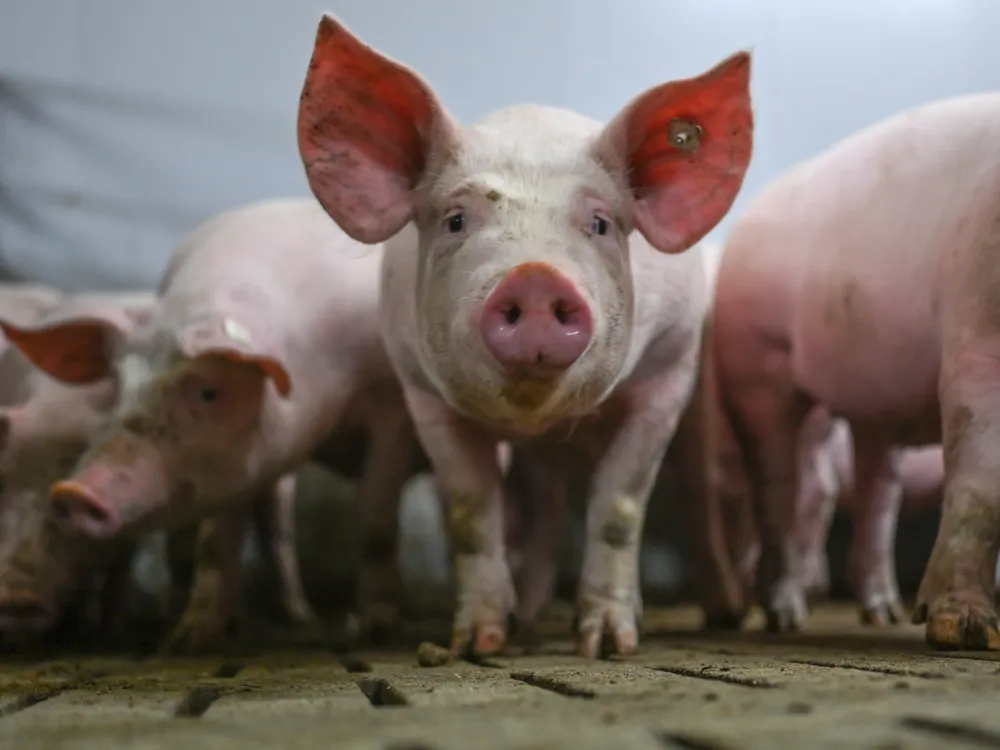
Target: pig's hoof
(960, 622)
(723, 621)
(787, 611)
(479, 640)
(882, 614)
(605, 627)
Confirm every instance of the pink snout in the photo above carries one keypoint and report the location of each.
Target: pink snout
(535, 322)
(78, 507)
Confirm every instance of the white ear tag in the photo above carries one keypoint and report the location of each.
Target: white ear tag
(236, 332)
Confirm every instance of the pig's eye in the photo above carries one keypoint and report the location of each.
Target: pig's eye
(599, 226)
(208, 395)
(456, 223)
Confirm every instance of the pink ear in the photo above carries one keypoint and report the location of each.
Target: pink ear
(366, 126)
(76, 350)
(685, 146)
(234, 342)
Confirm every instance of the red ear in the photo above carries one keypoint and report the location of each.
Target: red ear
(365, 128)
(686, 147)
(75, 351)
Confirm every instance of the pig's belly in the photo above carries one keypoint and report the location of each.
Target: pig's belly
(879, 368)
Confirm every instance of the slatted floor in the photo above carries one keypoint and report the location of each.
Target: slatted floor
(835, 685)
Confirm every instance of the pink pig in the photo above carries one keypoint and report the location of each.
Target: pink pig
(41, 437)
(519, 305)
(264, 352)
(865, 280)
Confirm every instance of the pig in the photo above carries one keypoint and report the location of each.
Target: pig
(264, 351)
(863, 280)
(41, 436)
(705, 459)
(519, 306)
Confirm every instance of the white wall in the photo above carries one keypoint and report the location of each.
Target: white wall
(125, 122)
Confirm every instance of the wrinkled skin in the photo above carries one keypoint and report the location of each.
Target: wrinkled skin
(864, 280)
(263, 352)
(535, 291)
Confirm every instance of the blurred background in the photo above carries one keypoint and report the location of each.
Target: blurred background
(124, 123)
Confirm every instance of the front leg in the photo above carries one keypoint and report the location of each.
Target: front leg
(609, 601)
(215, 597)
(878, 492)
(464, 457)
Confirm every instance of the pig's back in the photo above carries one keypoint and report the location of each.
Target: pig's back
(841, 256)
(288, 270)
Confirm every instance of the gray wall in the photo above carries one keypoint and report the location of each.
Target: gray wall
(125, 122)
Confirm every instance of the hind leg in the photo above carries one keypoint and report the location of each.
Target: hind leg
(817, 495)
(766, 413)
(956, 599)
(541, 498)
(877, 495)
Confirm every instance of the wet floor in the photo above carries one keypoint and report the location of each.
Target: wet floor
(835, 685)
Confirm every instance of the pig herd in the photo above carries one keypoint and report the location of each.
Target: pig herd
(515, 303)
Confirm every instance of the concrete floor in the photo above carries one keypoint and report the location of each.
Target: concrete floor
(836, 685)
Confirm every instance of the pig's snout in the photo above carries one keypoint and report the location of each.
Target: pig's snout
(80, 509)
(23, 610)
(535, 322)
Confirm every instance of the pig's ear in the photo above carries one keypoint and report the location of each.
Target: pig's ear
(368, 129)
(74, 350)
(231, 339)
(684, 148)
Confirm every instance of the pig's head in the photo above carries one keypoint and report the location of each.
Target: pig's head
(185, 423)
(41, 567)
(524, 294)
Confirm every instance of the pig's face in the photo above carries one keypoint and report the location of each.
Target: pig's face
(41, 568)
(182, 437)
(523, 291)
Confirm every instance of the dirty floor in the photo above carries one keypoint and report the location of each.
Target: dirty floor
(835, 685)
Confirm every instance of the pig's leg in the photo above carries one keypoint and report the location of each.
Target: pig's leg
(117, 591)
(465, 462)
(542, 495)
(766, 413)
(275, 512)
(695, 454)
(818, 491)
(608, 601)
(877, 495)
(956, 598)
(216, 592)
(390, 460)
(181, 546)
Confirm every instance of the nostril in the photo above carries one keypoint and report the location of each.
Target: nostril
(568, 313)
(75, 505)
(60, 508)
(512, 314)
